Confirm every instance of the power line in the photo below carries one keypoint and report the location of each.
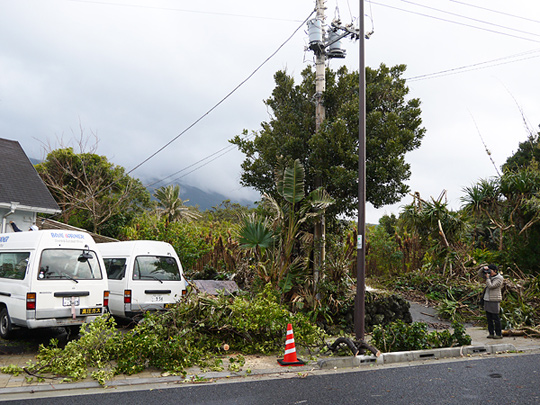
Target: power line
(109, 3)
(454, 22)
(496, 11)
(476, 66)
(228, 149)
(201, 166)
(469, 18)
(224, 98)
(200, 118)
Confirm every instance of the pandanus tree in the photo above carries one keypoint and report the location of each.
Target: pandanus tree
(438, 226)
(509, 202)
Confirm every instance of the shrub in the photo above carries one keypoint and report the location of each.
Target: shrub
(399, 336)
(189, 334)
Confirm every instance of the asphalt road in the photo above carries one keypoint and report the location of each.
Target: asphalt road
(498, 380)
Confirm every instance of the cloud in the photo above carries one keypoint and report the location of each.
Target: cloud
(138, 74)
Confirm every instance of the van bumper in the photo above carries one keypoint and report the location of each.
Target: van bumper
(138, 314)
(58, 322)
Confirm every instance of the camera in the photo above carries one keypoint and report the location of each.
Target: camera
(486, 271)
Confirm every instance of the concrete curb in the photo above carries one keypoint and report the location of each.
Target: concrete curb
(408, 356)
(323, 364)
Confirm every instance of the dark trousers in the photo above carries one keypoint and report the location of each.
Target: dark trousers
(494, 324)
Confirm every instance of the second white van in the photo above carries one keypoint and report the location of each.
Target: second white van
(144, 275)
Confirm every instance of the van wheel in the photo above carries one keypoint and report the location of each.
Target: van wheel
(73, 331)
(5, 324)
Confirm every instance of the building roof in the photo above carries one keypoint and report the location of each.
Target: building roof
(20, 183)
(46, 223)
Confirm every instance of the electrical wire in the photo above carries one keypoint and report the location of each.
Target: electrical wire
(469, 18)
(455, 22)
(200, 118)
(228, 149)
(201, 166)
(496, 11)
(476, 66)
(224, 98)
(108, 3)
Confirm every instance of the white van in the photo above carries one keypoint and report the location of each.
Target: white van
(50, 278)
(144, 275)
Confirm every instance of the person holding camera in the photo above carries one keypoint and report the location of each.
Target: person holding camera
(492, 299)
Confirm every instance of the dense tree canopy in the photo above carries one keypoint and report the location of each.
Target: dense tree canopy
(93, 193)
(393, 128)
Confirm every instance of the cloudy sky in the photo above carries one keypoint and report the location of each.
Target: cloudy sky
(145, 76)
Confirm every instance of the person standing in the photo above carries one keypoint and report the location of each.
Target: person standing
(492, 299)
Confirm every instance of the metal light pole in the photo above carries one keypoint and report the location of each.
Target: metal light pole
(359, 307)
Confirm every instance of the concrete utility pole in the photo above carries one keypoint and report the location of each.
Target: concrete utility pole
(325, 47)
(319, 233)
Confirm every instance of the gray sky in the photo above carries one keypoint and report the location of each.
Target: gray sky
(138, 73)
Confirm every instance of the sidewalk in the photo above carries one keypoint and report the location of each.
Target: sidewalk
(267, 365)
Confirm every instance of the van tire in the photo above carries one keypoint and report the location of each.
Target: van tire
(73, 331)
(5, 324)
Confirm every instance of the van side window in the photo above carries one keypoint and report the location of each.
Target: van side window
(13, 265)
(156, 267)
(116, 268)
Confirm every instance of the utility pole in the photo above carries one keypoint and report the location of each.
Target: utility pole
(319, 233)
(325, 44)
(360, 304)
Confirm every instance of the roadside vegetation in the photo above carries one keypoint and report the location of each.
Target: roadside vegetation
(428, 253)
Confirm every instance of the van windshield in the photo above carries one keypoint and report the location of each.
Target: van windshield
(72, 264)
(156, 268)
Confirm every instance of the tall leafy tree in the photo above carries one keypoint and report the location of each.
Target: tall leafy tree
(393, 128)
(92, 192)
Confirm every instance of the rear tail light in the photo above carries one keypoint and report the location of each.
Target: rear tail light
(184, 292)
(105, 298)
(30, 301)
(127, 296)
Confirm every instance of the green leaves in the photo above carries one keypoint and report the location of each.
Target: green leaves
(172, 207)
(331, 154)
(255, 235)
(193, 332)
(291, 184)
(399, 336)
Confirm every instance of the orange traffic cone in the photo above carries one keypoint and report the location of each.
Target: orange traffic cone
(290, 351)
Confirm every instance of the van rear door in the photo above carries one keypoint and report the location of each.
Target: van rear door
(70, 285)
(156, 282)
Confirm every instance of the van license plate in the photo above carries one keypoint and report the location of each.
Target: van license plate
(67, 301)
(157, 298)
(90, 311)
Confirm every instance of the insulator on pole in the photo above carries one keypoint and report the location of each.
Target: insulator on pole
(334, 48)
